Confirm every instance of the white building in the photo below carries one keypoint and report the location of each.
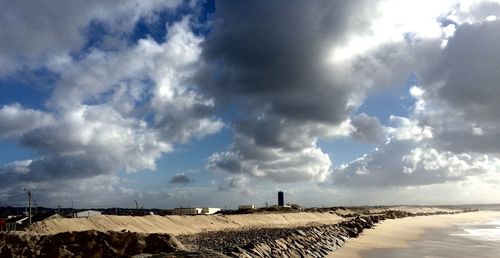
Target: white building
(194, 211)
(86, 214)
(209, 210)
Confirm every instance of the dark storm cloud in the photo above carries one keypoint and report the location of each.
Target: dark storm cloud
(467, 141)
(464, 87)
(271, 54)
(469, 72)
(272, 59)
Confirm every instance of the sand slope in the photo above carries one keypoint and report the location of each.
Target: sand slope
(177, 225)
(86, 244)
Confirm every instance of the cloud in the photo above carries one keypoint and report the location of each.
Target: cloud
(475, 11)
(180, 179)
(409, 129)
(269, 163)
(367, 129)
(466, 76)
(290, 91)
(404, 163)
(445, 136)
(113, 111)
(100, 134)
(37, 33)
(450, 131)
(82, 193)
(287, 91)
(17, 120)
(148, 78)
(456, 103)
(237, 182)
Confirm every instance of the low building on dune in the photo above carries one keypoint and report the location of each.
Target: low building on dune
(195, 211)
(86, 214)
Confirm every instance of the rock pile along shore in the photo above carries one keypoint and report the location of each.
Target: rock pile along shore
(312, 241)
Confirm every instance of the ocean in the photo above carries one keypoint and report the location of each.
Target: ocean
(468, 240)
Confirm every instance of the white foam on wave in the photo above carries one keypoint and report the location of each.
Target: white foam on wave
(483, 231)
(488, 234)
(494, 222)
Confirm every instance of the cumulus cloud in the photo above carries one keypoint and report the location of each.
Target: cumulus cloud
(37, 33)
(149, 78)
(17, 120)
(445, 136)
(408, 129)
(98, 133)
(113, 111)
(403, 163)
(248, 158)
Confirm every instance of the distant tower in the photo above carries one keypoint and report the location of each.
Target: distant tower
(281, 198)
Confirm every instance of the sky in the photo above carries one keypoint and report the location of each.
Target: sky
(215, 104)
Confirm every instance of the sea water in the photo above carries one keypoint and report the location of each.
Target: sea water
(483, 231)
(476, 239)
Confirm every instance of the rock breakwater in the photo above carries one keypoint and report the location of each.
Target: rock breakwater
(311, 241)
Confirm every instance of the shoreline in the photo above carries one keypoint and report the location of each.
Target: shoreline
(399, 233)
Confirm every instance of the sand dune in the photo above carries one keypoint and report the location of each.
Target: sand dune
(177, 225)
(86, 244)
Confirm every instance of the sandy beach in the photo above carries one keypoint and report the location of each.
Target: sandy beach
(399, 233)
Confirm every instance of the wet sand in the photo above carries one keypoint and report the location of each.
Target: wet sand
(399, 233)
(440, 243)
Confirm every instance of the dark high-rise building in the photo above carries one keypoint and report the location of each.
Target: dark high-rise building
(281, 198)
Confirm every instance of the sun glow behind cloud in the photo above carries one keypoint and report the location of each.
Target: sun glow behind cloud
(396, 21)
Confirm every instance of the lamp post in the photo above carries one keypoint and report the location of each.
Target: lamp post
(29, 203)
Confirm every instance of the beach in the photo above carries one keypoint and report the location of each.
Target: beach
(400, 237)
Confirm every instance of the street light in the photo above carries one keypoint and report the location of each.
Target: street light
(29, 203)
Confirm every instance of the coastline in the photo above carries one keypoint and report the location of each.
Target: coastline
(250, 235)
(399, 233)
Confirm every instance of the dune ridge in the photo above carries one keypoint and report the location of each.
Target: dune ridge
(178, 225)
